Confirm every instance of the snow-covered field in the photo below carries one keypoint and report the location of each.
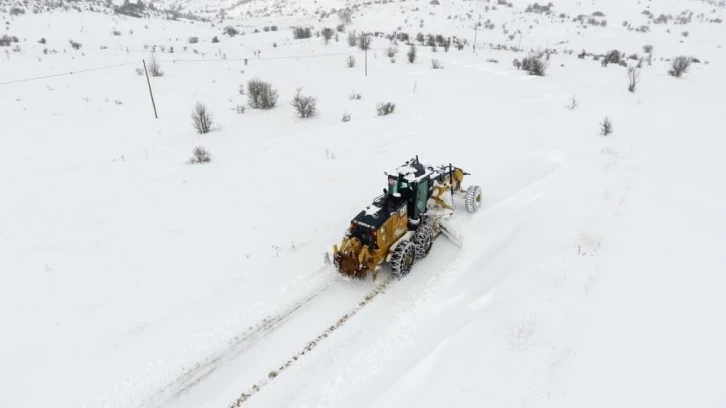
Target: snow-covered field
(132, 278)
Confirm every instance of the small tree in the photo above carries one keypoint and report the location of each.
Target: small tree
(411, 54)
(535, 65)
(327, 33)
(201, 118)
(261, 95)
(517, 63)
(200, 155)
(435, 64)
(154, 67)
(391, 51)
(633, 78)
(364, 41)
(679, 66)
(345, 15)
(350, 61)
(606, 126)
(305, 106)
(386, 108)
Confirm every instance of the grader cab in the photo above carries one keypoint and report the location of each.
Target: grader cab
(400, 226)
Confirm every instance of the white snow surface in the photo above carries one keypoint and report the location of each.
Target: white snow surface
(592, 276)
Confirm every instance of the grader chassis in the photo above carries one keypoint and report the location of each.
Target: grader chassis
(400, 226)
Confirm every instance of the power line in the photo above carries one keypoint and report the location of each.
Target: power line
(68, 73)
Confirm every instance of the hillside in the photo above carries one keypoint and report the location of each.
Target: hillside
(132, 277)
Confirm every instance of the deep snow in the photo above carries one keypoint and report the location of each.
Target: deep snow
(132, 278)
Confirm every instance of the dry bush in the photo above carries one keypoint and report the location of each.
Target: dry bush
(305, 106)
(679, 66)
(534, 64)
(435, 64)
(350, 61)
(346, 117)
(517, 63)
(411, 55)
(385, 108)
(364, 41)
(261, 95)
(355, 96)
(155, 67)
(606, 127)
(75, 45)
(193, 40)
(200, 155)
(352, 39)
(201, 118)
(301, 33)
(633, 78)
(391, 51)
(327, 34)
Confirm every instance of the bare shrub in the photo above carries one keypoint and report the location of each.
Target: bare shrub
(327, 34)
(200, 155)
(364, 41)
(193, 40)
(350, 61)
(517, 63)
(346, 117)
(116, 33)
(435, 64)
(612, 57)
(305, 106)
(648, 49)
(299, 33)
(75, 45)
(352, 39)
(385, 108)
(391, 51)
(345, 16)
(201, 118)
(679, 66)
(572, 105)
(606, 127)
(535, 65)
(155, 67)
(411, 55)
(230, 31)
(633, 78)
(261, 95)
(355, 96)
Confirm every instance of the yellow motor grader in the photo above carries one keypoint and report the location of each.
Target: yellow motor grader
(400, 226)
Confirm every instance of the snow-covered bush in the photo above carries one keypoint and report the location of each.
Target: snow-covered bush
(346, 117)
(612, 57)
(200, 155)
(679, 66)
(385, 108)
(305, 106)
(201, 118)
(230, 31)
(193, 40)
(355, 96)
(261, 95)
(435, 64)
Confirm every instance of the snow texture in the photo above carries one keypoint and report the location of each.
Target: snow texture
(591, 276)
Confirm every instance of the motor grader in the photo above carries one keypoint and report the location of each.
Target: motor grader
(400, 226)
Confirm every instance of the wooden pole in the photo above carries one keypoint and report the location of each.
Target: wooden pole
(366, 60)
(475, 33)
(150, 93)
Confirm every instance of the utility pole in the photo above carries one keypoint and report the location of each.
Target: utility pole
(476, 31)
(366, 60)
(150, 93)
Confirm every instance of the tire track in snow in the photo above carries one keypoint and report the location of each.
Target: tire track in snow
(256, 387)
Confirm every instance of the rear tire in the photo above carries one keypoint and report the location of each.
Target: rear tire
(403, 258)
(423, 240)
(473, 199)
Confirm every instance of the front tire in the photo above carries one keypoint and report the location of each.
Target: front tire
(473, 199)
(403, 258)
(423, 240)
